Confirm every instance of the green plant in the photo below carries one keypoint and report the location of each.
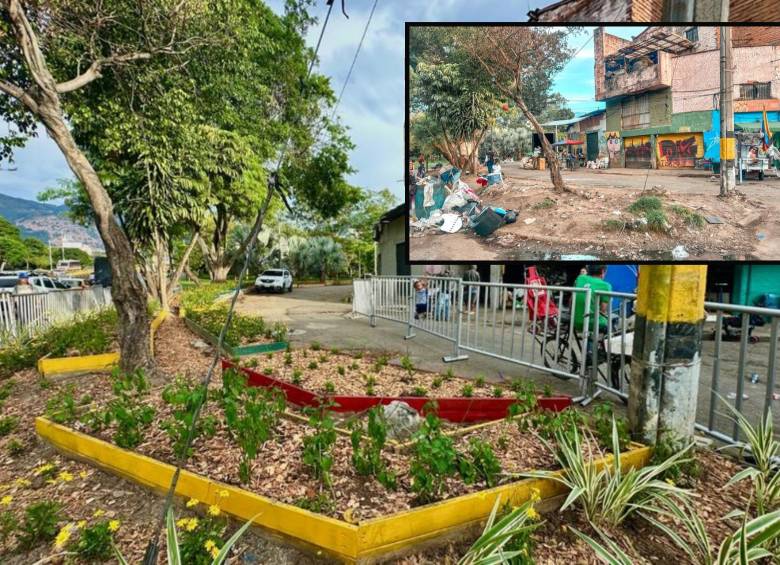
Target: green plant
(95, 542)
(297, 375)
(178, 553)
(288, 358)
(8, 525)
(40, 523)
(765, 450)
(330, 388)
(479, 381)
(683, 473)
(467, 390)
(367, 450)
(323, 358)
(61, 408)
(613, 224)
(525, 400)
(690, 218)
(85, 399)
(645, 204)
(449, 374)
(603, 416)
(433, 459)
(354, 366)
(185, 398)
(15, 447)
(370, 390)
(484, 461)
(610, 494)
(341, 370)
(357, 355)
(257, 418)
(498, 392)
(6, 388)
(495, 546)
(318, 445)
(320, 503)
(544, 204)
(502, 442)
(252, 363)
(436, 383)
(407, 365)
(418, 391)
(315, 346)
(380, 362)
(547, 392)
(312, 365)
(657, 220)
(268, 370)
(8, 424)
(334, 351)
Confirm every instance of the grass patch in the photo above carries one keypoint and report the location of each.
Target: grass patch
(656, 220)
(204, 295)
(614, 225)
(544, 204)
(85, 335)
(243, 329)
(645, 204)
(689, 217)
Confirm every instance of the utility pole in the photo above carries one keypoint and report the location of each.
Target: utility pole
(724, 10)
(666, 357)
(727, 141)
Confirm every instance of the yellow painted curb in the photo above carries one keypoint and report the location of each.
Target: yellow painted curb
(351, 543)
(92, 363)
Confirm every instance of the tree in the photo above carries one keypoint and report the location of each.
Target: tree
(319, 255)
(51, 50)
(521, 63)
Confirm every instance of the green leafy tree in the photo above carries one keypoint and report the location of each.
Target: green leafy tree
(321, 256)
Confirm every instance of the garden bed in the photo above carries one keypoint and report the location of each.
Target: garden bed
(251, 337)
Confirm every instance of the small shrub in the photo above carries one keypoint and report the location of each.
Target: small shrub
(367, 451)
(8, 424)
(603, 416)
(61, 408)
(288, 359)
(40, 523)
(380, 362)
(467, 391)
(358, 354)
(258, 416)
(341, 370)
(8, 525)
(268, 370)
(544, 204)
(269, 355)
(502, 442)
(330, 388)
(498, 392)
(252, 363)
(318, 445)
(370, 390)
(418, 391)
(547, 391)
(6, 388)
(613, 224)
(185, 397)
(201, 538)
(15, 447)
(436, 383)
(657, 220)
(690, 218)
(407, 365)
(297, 375)
(354, 366)
(324, 358)
(320, 503)
(313, 365)
(335, 351)
(484, 462)
(433, 460)
(450, 374)
(95, 542)
(84, 400)
(315, 346)
(479, 381)
(645, 204)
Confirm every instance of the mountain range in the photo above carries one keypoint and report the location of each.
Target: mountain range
(46, 221)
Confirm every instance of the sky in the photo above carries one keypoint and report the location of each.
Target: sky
(373, 103)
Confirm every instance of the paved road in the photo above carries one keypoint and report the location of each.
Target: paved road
(323, 315)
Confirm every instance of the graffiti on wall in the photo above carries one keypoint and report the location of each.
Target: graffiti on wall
(680, 149)
(613, 144)
(638, 150)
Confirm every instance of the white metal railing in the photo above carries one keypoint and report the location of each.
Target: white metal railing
(551, 329)
(24, 315)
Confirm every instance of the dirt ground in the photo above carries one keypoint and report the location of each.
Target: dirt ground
(554, 226)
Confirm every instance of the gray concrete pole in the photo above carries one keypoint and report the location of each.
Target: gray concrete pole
(727, 140)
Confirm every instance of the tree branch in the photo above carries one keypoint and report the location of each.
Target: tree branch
(94, 70)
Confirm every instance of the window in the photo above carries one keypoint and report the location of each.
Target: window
(636, 112)
(755, 91)
(692, 34)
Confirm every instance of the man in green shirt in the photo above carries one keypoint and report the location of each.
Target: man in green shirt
(593, 278)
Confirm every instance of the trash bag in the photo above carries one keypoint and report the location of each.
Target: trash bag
(454, 200)
(510, 217)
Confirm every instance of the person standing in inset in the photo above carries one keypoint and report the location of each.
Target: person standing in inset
(471, 276)
(594, 280)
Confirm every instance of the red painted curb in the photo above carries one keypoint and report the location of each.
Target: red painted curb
(451, 409)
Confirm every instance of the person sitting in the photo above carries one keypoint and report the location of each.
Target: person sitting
(594, 280)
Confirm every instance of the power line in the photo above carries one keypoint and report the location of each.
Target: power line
(354, 59)
(152, 549)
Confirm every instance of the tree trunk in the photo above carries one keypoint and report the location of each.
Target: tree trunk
(127, 289)
(549, 154)
(219, 273)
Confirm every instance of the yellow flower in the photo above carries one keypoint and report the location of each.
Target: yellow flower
(223, 493)
(535, 495)
(209, 545)
(63, 536)
(43, 469)
(66, 476)
(83, 474)
(192, 502)
(113, 525)
(98, 513)
(214, 552)
(6, 500)
(670, 481)
(22, 482)
(532, 513)
(214, 510)
(192, 523)
(181, 522)
(81, 523)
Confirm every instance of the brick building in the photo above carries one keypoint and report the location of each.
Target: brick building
(656, 10)
(661, 92)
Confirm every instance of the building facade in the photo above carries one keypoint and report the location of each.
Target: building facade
(656, 10)
(661, 91)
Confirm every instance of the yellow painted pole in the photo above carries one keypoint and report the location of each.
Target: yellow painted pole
(666, 358)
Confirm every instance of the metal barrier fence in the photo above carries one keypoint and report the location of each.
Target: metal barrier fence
(551, 329)
(24, 315)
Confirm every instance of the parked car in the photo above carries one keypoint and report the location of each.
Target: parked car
(46, 284)
(71, 282)
(274, 279)
(7, 283)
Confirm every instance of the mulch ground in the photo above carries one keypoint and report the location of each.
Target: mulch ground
(84, 490)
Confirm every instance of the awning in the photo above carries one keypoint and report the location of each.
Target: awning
(756, 126)
(567, 142)
(656, 41)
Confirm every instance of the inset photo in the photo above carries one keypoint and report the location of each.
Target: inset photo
(633, 143)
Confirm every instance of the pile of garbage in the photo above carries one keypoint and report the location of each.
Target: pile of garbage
(442, 201)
